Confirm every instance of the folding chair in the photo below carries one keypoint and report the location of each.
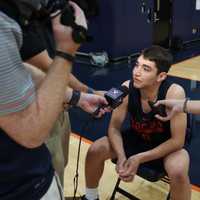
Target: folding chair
(146, 173)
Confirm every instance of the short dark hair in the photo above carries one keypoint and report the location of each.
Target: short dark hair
(161, 56)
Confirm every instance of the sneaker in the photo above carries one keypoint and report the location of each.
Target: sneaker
(84, 198)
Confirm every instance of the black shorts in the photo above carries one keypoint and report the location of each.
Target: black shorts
(134, 144)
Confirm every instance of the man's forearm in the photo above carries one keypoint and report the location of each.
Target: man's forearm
(76, 84)
(37, 75)
(193, 107)
(51, 93)
(30, 127)
(160, 151)
(43, 61)
(115, 139)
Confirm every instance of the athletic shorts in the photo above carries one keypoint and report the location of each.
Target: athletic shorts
(134, 144)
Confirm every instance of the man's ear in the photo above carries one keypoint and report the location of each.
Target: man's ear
(161, 76)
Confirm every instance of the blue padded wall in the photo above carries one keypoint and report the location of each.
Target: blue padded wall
(185, 18)
(120, 29)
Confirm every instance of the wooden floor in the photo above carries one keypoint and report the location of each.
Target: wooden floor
(141, 188)
(189, 69)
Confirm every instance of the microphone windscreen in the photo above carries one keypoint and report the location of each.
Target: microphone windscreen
(124, 89)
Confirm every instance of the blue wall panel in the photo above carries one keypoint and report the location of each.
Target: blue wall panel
(185, 19)
(120, 29)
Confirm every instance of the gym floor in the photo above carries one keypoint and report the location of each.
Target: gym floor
(139, 187)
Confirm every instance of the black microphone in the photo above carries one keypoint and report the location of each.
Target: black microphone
(160, 109)
(114, 97)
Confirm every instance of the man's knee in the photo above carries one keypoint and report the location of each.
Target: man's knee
(177, 173)
(177, 167)
(99, 149)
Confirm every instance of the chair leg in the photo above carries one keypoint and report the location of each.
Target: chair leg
(122, 191)
(115, 189)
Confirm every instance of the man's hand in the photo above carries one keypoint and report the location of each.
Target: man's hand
(63, 34)
(130, 169)
(173, 107)
(91, 102)
(120, 165)
(100, 92)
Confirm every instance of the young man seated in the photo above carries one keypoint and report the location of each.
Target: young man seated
(148, 141)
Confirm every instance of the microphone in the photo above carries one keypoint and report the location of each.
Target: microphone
(160, 110)
(114, 97)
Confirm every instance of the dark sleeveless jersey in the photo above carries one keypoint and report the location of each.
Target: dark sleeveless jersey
(145, 125)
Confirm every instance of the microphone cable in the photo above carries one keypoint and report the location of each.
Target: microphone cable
(114, 97)
(76, 176)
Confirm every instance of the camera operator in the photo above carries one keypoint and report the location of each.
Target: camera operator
(28, 112)
(38, 44)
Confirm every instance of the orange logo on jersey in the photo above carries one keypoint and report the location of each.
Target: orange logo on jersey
(147, 128)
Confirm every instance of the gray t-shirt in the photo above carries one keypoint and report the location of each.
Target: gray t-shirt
(17, 89)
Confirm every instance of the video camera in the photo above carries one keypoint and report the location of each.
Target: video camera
(41, 10)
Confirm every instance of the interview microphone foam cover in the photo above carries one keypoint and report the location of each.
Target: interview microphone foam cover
(124, 89)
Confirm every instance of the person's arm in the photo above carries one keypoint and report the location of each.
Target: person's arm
(43, 61)
(114, 129)
(80, 86)
(178, 126)
(31, 126)
(87, 102)
(193, 107)
(37, 75)
(114, 132)
(177, 106)
(77, 85)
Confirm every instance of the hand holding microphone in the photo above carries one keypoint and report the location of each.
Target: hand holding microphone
(114, 97)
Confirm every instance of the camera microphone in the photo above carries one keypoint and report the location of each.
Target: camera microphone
(114, 97)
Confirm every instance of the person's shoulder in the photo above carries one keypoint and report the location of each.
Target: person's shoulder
(175, 91)
(7, 21)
